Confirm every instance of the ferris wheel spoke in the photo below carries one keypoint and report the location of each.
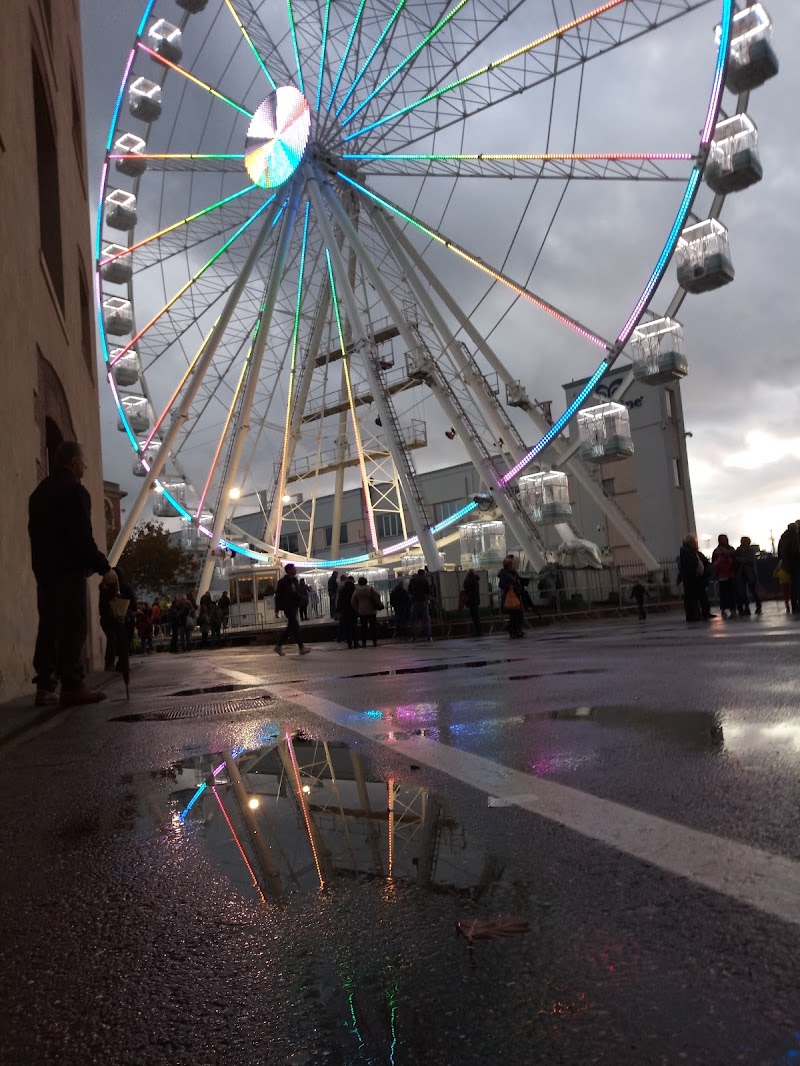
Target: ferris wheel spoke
(568, 166)
(373, 52)
(251, 44)
(323, 47)
(176, 225)
(195, 277)
(462, 253)
(295, 45)
(197, 81)
(407, 61)
(211, 162)
(345, 54)
(532, 65)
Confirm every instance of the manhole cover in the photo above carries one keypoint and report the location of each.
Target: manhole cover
(198, 710)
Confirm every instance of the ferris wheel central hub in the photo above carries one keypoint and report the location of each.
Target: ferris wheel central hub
(277, 137)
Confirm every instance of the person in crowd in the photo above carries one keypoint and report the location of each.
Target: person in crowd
(206, 601)
(215, 623)
(169, 618)
(63, 552)
(400, 602)
(333, 591)
(204, 621)
(367, 602)
(347, 614)
(419, 589)
(313, 600)
(781, 575)
(511, 597)
(114, 632)
(639, 593)
(144, 626)
(746, 577)
(225, 609)
(155, 618)
(287, 599)
(302, 599)
(187, 618)
(472, 598)
(789, 554)
(723, 560)
(693, 575)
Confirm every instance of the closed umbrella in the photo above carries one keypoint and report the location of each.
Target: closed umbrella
(119, 610)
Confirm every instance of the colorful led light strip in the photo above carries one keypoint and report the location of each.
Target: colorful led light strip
(195, 277)
(296, 50)
(412, 55)
(174, 226)
(191, 77)
(392, 19)
(323, 46)
(173, 398)
(121, 93)
(345, 54)
(478, 263)
(145, 17)
(175, 155)
(390, 832)
(356, 431)
(436, 93)
(536, 157)
(250, 870)
(214, 773)
(249, 40)
(557, 426)
(292, 369)
(301, 799)
(453, 518)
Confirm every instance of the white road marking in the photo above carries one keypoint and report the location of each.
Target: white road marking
(241, 677)
(770, 883)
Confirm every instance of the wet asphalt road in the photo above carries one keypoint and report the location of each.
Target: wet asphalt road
(140, 922)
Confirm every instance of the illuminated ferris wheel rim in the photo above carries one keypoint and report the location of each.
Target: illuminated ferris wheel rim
(347, 175)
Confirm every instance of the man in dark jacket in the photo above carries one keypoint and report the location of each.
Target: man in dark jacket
(287, 599)
(63, 553)
(789, 553)
(333, 591)
(472, 599)
(419, 589)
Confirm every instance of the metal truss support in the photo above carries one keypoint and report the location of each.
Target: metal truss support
(242, 427)
(179, 420)
(563, 453)
(385, 408)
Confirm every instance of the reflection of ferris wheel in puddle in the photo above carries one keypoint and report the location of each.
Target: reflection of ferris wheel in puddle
(290, 352)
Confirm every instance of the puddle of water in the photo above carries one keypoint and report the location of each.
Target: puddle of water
(429, 669)
(303, 815)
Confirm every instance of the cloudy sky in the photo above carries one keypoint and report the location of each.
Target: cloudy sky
(741, 397)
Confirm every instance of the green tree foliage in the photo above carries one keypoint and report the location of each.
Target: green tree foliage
(155, 566)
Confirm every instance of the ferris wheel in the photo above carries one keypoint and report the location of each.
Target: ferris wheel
(313, 219)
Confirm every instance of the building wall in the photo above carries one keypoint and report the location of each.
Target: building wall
(653, 486)
(48, 357)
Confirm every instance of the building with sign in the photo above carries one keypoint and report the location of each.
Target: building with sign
(652, 487)
(49, 389)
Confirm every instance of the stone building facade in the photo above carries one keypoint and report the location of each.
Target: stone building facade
(49, 375)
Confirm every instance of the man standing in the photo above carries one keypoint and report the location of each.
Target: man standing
(789, 553)
(63, 553)
(747, 577)
(419, 588)
(287, 599)
(472, 598)
(333, 591)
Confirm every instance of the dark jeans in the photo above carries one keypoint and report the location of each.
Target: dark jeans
(420, 618)
(401, 623)
(475, 615)
(515, 624)
(642, 611)
(695, 600)
(794, 571)
(292, 631)
(63, 625)
(369, 629)
(748, 590)
(727, 595)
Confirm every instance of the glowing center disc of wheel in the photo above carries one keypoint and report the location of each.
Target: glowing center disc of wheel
(277, 137)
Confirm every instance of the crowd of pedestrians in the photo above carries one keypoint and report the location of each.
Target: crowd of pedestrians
(736, 575)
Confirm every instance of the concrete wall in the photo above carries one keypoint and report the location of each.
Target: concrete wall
(49, 378)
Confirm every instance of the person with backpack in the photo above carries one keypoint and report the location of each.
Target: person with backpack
(366, 602)
(287, 599)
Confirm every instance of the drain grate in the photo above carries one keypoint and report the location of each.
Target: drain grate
(198, 710)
